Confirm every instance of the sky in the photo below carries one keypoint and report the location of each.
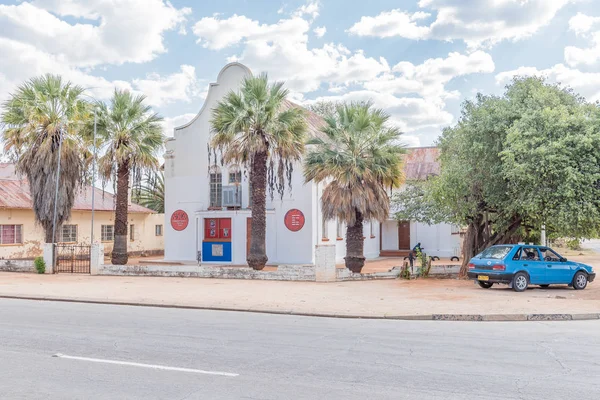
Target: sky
(417, 59)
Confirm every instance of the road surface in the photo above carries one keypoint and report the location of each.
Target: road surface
(122, 352)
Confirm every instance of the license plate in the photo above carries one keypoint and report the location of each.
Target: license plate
(483, 278)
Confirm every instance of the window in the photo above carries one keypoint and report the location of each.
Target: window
(372, 229)
(530, 254)
(496, 252)
(11, 234)
(339, 230)
(325, 230)
(158, 229)
(68, 234)
(550, 255)
(235, 175)
(107, 233)
(216, 187)
(132, 232)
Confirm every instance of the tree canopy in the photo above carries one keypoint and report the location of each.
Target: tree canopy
(512, 164)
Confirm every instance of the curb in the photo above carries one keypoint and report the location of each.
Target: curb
(422, 317)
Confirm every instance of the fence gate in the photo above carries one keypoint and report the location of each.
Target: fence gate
(72, 258)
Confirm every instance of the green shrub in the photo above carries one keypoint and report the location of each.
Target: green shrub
(573, 244)
(40, 265)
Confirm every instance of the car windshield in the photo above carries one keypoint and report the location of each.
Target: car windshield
(496, 252)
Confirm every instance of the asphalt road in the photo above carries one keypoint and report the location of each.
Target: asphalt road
(122, 352)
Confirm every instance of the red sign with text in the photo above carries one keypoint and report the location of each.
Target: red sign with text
(179, 220)
(294, 220)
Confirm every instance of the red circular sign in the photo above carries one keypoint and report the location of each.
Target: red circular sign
(294, 220)
(179, 220)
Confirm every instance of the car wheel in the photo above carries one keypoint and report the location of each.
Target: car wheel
(435, 258)
(485, 285)
(580, 280)
(454, 258)
(520, 282)
(544, 286)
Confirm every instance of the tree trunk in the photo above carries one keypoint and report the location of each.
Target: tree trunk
(355, 243)
(119, 252)
(257, 257)
(475, 241)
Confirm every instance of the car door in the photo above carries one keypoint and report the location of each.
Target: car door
(531, 262)
(557, 271)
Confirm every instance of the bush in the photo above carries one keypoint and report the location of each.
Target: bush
(40, 265)
(573, 244)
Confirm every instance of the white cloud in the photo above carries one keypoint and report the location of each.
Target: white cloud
(131, 31)
(477, 22)
(320, 31)
(430, 78)
(583, 25)
(170, 123)
(311, 9)
(392, 23)
(180, 86)
(408, 113)
(585, 83)
(282, 49)
(20, 62)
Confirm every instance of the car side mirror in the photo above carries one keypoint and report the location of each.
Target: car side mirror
(562, 259)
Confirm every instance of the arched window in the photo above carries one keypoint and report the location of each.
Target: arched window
(216, 187)
(235, 175)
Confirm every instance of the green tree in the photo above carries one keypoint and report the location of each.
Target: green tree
(359, 157)
(131, 137)
(513, 163)
(42, 113)
(151, 192)
(259, 128)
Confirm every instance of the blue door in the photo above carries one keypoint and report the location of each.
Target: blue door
(529, 260)
(556, 271)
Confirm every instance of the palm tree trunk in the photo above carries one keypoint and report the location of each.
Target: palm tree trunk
(355, 244)
(257, 257)
(119, 252)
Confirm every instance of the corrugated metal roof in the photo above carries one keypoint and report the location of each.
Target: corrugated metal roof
(14, 194)
(421, 163)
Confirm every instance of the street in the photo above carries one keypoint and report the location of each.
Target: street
(124, 352)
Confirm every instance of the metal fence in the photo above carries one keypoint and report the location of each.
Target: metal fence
(72, 258)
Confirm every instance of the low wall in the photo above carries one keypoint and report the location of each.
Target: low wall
(17, 266)
(283, 272)
(344, 274)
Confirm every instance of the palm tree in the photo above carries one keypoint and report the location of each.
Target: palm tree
(151, 193)
(131, 137)
(44, 115)
(360, 156)
(259, 128)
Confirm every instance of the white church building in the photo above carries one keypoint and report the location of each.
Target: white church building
(208, 207)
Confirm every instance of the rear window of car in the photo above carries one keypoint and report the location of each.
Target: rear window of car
(496, 252)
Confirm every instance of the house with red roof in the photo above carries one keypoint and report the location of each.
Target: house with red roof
(22, 238)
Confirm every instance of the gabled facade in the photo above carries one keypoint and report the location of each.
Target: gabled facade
(209, 206)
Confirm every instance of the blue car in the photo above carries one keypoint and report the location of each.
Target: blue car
(522, 265)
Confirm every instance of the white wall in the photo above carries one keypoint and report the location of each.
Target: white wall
(390, 235)
(436, 240)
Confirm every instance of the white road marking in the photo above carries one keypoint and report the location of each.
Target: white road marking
(151, 366)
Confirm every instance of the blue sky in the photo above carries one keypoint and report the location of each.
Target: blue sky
(418, 59)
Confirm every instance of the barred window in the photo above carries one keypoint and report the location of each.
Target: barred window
(216, 187)
(132, 232)
(11, 234)
(158, 230)
(107, 233)
(68, 234)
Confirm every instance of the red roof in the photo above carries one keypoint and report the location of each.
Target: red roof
(421, 163)
(14, 194)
